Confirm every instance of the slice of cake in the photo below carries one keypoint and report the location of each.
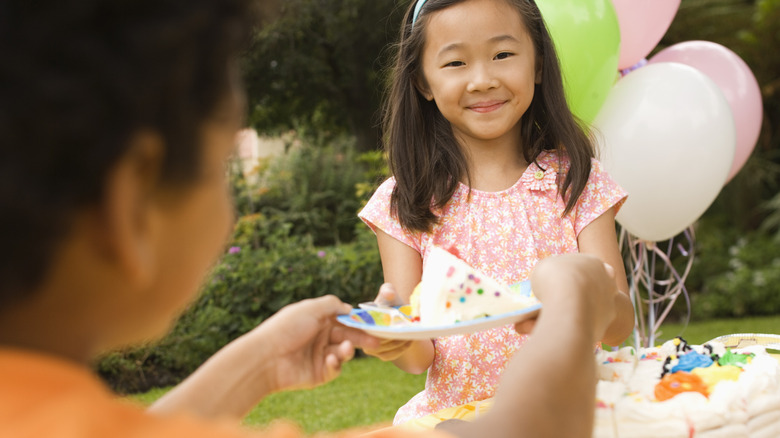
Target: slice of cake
(452, 291)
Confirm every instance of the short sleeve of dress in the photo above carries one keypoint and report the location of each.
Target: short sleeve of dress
(600, 194)
(376, 214)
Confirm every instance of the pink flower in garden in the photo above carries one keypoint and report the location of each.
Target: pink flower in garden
(234, 250)
(320, 254)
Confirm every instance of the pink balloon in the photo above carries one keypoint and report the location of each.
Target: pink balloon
(736, 81)
(642, 25)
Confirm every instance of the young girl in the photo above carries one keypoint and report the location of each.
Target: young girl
(486, 157)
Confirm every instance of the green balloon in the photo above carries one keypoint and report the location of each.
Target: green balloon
(587, 38)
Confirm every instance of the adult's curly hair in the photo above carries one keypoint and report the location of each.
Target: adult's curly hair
(77, 79)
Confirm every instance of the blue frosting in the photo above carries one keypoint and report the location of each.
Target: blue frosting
(691, 360)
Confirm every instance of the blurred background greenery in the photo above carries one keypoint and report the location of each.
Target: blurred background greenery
(316, 68)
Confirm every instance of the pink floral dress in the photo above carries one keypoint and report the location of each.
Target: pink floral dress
(503, 234)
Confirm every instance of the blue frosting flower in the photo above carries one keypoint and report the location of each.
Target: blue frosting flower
(691, 360)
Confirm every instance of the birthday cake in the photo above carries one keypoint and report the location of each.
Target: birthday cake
(675, 390)
(679, 390)
(451, 291)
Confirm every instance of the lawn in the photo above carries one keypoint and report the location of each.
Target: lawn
(369, 391)
(703, 331)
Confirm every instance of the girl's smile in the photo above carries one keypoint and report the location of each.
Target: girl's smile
(486, 107)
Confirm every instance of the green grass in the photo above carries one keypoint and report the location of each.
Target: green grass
(699, 332)
(703, 331)
(370, 391)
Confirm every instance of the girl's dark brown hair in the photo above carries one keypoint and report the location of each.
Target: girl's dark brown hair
(424, 156)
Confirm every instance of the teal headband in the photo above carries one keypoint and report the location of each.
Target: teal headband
(417, 8)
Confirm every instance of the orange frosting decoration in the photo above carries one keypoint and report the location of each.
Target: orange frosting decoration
(679, 382)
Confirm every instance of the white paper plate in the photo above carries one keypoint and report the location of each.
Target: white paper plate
(415, 331)
(742, 340)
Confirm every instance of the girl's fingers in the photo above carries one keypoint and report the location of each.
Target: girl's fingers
(389, 350)
(387, 296)
(525, 327)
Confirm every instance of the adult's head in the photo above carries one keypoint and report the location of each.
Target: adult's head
(80, 80)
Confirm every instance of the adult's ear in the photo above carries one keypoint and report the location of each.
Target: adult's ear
(128, 218)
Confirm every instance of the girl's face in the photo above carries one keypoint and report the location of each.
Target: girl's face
(479, 66)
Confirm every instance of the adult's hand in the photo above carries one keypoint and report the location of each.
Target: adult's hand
(578, 284)
(308, 344)
(301, 346)
(546, 280)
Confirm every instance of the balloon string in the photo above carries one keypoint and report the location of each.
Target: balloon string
(652, 304)
(653, 272)
(677, 287)
(636, 263)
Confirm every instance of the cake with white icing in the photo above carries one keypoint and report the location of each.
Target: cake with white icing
(677, 390)
(451, 291)
(674, 390)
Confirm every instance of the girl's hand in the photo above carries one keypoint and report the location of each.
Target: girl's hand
(388, 349)
(525, 327)
(387, 296)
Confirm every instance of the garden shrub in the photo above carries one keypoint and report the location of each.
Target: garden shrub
(314, 189)
(734, 274)
(748, 284)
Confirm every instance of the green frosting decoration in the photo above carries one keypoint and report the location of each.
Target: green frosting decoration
(735, 359)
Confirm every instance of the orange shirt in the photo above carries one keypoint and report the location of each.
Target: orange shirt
(42, 396)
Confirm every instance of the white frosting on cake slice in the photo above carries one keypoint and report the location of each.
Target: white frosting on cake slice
(452, 291)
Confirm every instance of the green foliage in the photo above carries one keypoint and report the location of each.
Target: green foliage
(719, 21)
(318, 68)
(256, 283)
(195, 337)
(743, 280)
(314, 190)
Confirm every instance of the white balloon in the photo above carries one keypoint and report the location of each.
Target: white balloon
(666, 134)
